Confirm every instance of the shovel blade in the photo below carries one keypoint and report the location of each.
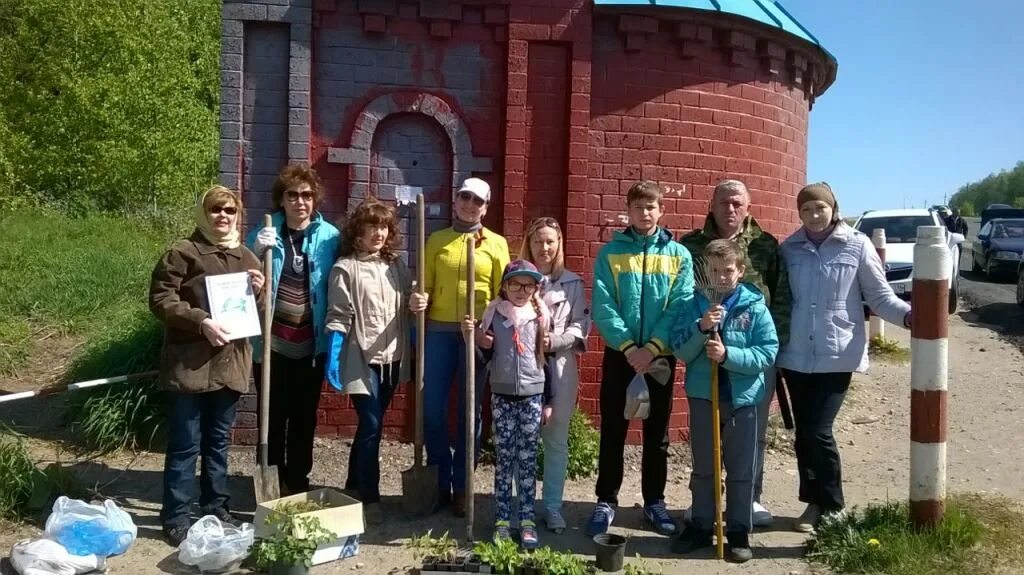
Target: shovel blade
(266, 482)
(419, 490)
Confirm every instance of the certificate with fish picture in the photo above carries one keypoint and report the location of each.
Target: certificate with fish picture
(233, 304)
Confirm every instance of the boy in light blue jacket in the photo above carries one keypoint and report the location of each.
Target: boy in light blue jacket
(739, 335)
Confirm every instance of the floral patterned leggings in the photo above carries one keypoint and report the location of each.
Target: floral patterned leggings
(517, 437)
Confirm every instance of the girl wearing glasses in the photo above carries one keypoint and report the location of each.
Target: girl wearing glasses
(204, 369)
(562, 293)
(304, 246)
(513, 335)
(445, 294)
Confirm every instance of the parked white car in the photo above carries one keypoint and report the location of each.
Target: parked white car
(900, 234)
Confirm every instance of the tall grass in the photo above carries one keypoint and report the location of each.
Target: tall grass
(86, 276)
(976, 536)
(16, 474)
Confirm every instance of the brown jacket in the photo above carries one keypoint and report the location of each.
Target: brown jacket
(177, 297)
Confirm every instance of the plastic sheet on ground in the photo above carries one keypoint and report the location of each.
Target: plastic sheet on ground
(47, 557)
(85, 529)
(214, 546)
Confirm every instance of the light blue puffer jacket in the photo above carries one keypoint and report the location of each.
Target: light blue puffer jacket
(321, 249)
(830, 285)
(751, 344)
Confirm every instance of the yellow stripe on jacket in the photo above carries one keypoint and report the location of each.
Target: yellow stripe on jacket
(634, 263)
(445, 276)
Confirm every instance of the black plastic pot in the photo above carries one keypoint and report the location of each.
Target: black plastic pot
(287, 569)
(610, 551)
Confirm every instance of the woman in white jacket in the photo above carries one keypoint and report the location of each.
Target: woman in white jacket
(833, 270)
(563, 293)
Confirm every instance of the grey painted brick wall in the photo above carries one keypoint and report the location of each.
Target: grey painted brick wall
(264, 112)
(350, 63)
(413, 150)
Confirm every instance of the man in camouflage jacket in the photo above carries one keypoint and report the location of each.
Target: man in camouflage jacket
(729, 219)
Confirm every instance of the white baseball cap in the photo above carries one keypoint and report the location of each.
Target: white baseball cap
(477, 187)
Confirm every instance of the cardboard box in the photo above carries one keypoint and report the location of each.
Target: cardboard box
(341, 515)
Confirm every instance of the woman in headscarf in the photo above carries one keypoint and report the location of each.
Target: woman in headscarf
(833, 270)
(202, 367)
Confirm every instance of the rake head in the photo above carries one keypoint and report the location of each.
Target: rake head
(702, 282)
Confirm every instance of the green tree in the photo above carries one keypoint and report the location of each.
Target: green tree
(108, 104)
(1006, 187)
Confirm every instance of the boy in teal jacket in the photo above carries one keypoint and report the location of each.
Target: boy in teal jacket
(641, 278)
(739, 335)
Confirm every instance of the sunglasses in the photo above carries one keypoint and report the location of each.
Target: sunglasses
(468, 197)
(294, 196)
(516, 286)
(229, 210)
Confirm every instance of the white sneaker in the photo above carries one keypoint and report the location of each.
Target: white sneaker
(554, 520)
(808, 520)
(761, 516)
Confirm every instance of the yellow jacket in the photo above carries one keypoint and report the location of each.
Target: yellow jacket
(445, 274)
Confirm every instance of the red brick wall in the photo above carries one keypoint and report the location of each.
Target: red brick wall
(573, 107)
(687, 122)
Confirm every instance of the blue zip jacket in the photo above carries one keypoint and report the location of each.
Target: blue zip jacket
(321, 248)
(751, 344)
(640, 282)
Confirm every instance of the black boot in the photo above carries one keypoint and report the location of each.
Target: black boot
(739, 547)
(690, 540)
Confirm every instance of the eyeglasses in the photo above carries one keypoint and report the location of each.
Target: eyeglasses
(294, 196)
(516, 286)
(229, 210)
(468, 197)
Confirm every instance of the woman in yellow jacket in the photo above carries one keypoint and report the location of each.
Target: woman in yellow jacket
(445, 279)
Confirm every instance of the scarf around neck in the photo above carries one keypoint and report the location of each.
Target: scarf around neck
(465, 227)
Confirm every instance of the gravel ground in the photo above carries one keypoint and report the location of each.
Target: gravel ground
(985, 420)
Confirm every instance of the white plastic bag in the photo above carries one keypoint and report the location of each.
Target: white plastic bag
(85, 529)
(47, 557)
(214, 546)
(638, 399)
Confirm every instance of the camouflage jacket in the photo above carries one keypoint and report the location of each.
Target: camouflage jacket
(765, 268)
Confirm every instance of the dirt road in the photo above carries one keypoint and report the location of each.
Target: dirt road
(985, 417)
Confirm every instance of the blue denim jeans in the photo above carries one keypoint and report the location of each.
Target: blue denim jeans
(364, 459)
(445, 359)
(197, 424)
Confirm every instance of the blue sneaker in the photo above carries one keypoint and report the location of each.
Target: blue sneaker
(600, 520)
(657, 515)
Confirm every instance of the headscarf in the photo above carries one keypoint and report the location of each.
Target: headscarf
(230, 240)
(819, 191)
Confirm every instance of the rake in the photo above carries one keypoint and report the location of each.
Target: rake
(715, 295)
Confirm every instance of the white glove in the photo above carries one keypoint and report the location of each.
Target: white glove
(267, 238)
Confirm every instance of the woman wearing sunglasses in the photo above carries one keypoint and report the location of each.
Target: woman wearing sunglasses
(445, 294)
(204, 371)
(304, 246)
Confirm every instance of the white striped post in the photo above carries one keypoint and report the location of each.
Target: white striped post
(876, 327)
(929, 331)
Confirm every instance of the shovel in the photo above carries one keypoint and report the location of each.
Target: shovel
(265, 479)
(419, 483)
(470, 382)
(716, 441)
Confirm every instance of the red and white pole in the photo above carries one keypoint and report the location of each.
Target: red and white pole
(876, 327)
(929, 332)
